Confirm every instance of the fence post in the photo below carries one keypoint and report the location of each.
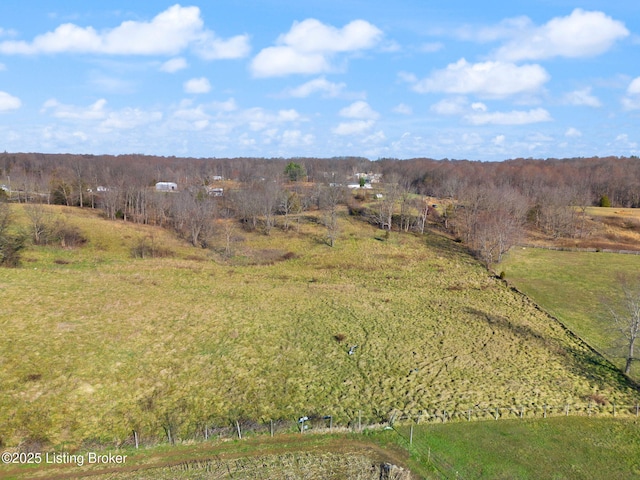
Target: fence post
(469, 415)
(544, 411)
(497, 412)
(271, 427)
(521, 412)
(614, 409)
(566, 410)
(135, 436)
(239, 432)
(636, 409)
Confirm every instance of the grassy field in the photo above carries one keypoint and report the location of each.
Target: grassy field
(558, 448)
(97, 344)
(575, 287)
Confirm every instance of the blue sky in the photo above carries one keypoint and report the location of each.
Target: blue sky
(282, 78)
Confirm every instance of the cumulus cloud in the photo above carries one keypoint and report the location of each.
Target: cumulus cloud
(580, 34)
(632, 100)
(450, 106)
(317, 85)
(95, 111)
(489, 79)
(516, 117)
(9, 102)
(353, 128)
(197, 85)
(174, 65)
(310, 45)
(583, 97)
(634, 87)
(129, 118)
(168, 33)
(573, 133)
(126, 118)
(359, 110)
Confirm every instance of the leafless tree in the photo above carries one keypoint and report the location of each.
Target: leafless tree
(626, 316)
(193, 215)
(39, 223)
(331, 198)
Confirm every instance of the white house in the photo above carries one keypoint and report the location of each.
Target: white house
(166, 187)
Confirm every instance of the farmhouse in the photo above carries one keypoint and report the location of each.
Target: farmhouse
(166, 186)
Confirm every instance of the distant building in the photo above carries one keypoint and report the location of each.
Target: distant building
(215, 191)
(166, 186)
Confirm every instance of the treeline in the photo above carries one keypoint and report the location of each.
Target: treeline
(484, 204)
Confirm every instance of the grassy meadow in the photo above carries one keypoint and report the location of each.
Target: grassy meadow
(576, 287)
(96, 343)
(559, 448)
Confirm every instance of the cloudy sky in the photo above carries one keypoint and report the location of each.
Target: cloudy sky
(282, 78)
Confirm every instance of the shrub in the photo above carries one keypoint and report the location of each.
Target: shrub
(69, 236)
(604, 201)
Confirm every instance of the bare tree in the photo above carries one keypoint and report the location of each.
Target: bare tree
(331, 197)
(39, 223)
(626, 316)
(193, 215)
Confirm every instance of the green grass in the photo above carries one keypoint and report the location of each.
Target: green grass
(574, 287)
(555, 448)
(104, 344)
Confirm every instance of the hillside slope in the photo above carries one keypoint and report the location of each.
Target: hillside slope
(96, 344)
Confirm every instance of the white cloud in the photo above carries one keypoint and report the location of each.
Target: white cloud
(9, 102)
(583, 97)
(479, 107)
(507, 28)
(197, 85)
(581, 34)
(353, 128)
(226, 106)
(489, 79)
(95, 111)
(407, 77)
(359, 110)
(499, 140)
(573, 133)
(310, 45)
(168, 33)
(130, 118)
(174, 65)
(295, 138)
(515, 117)
(634, 87)
(632, 100)
(623, 140)
(321, 84)
(450, 106)
(210, 47)
(403, 109)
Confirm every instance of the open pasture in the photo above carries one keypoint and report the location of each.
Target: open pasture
(563, 447)
(96, 344)
(576, 288)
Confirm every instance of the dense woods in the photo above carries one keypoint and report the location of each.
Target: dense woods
(484, 204)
